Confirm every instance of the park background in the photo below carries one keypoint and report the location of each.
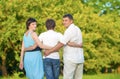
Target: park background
(99, 21)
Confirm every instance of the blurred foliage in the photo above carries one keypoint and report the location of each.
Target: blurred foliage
(103, 7)
(98, 20)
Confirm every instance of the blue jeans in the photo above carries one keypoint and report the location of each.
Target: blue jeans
(51, 68)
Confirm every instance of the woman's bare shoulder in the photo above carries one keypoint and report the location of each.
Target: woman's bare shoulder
(34, 34)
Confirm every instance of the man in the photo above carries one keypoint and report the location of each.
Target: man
(52, 61)
(73, 56)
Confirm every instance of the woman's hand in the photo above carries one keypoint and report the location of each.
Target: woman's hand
(21, 65)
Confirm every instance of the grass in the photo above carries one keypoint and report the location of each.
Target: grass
(102, 76)
(98, 76)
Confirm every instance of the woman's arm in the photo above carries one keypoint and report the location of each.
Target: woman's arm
(73, 44)
(21, 56)
(35, 37)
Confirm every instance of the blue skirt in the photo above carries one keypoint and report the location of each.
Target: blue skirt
(33, 65)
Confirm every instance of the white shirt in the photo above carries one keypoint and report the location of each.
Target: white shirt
(74, 54)
(51, 38)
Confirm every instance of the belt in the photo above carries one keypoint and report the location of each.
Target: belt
(36, 49)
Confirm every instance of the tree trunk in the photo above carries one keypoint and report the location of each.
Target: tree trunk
(118, 69)
(106, 70)
(3, 67)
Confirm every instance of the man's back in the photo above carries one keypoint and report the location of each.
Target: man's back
(73, 34)
(51, 38)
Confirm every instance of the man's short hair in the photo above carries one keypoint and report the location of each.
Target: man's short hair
(69, 16)
(50, 24)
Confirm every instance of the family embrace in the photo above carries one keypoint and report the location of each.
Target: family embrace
(50, 41)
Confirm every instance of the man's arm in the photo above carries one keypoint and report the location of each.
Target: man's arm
(30, 48)
(73, 44)
(54, 49)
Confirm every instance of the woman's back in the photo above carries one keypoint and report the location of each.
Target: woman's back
(28, 40)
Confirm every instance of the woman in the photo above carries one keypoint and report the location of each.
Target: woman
(32, 60)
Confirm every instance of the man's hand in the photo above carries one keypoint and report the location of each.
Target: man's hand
(46, 52)
(54, 49)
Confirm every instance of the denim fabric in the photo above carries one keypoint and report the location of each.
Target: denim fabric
(51, 68)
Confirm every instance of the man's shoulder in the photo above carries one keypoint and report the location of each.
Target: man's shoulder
(57, 33)
(77, 28)
(71, 28)
(42, 34)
